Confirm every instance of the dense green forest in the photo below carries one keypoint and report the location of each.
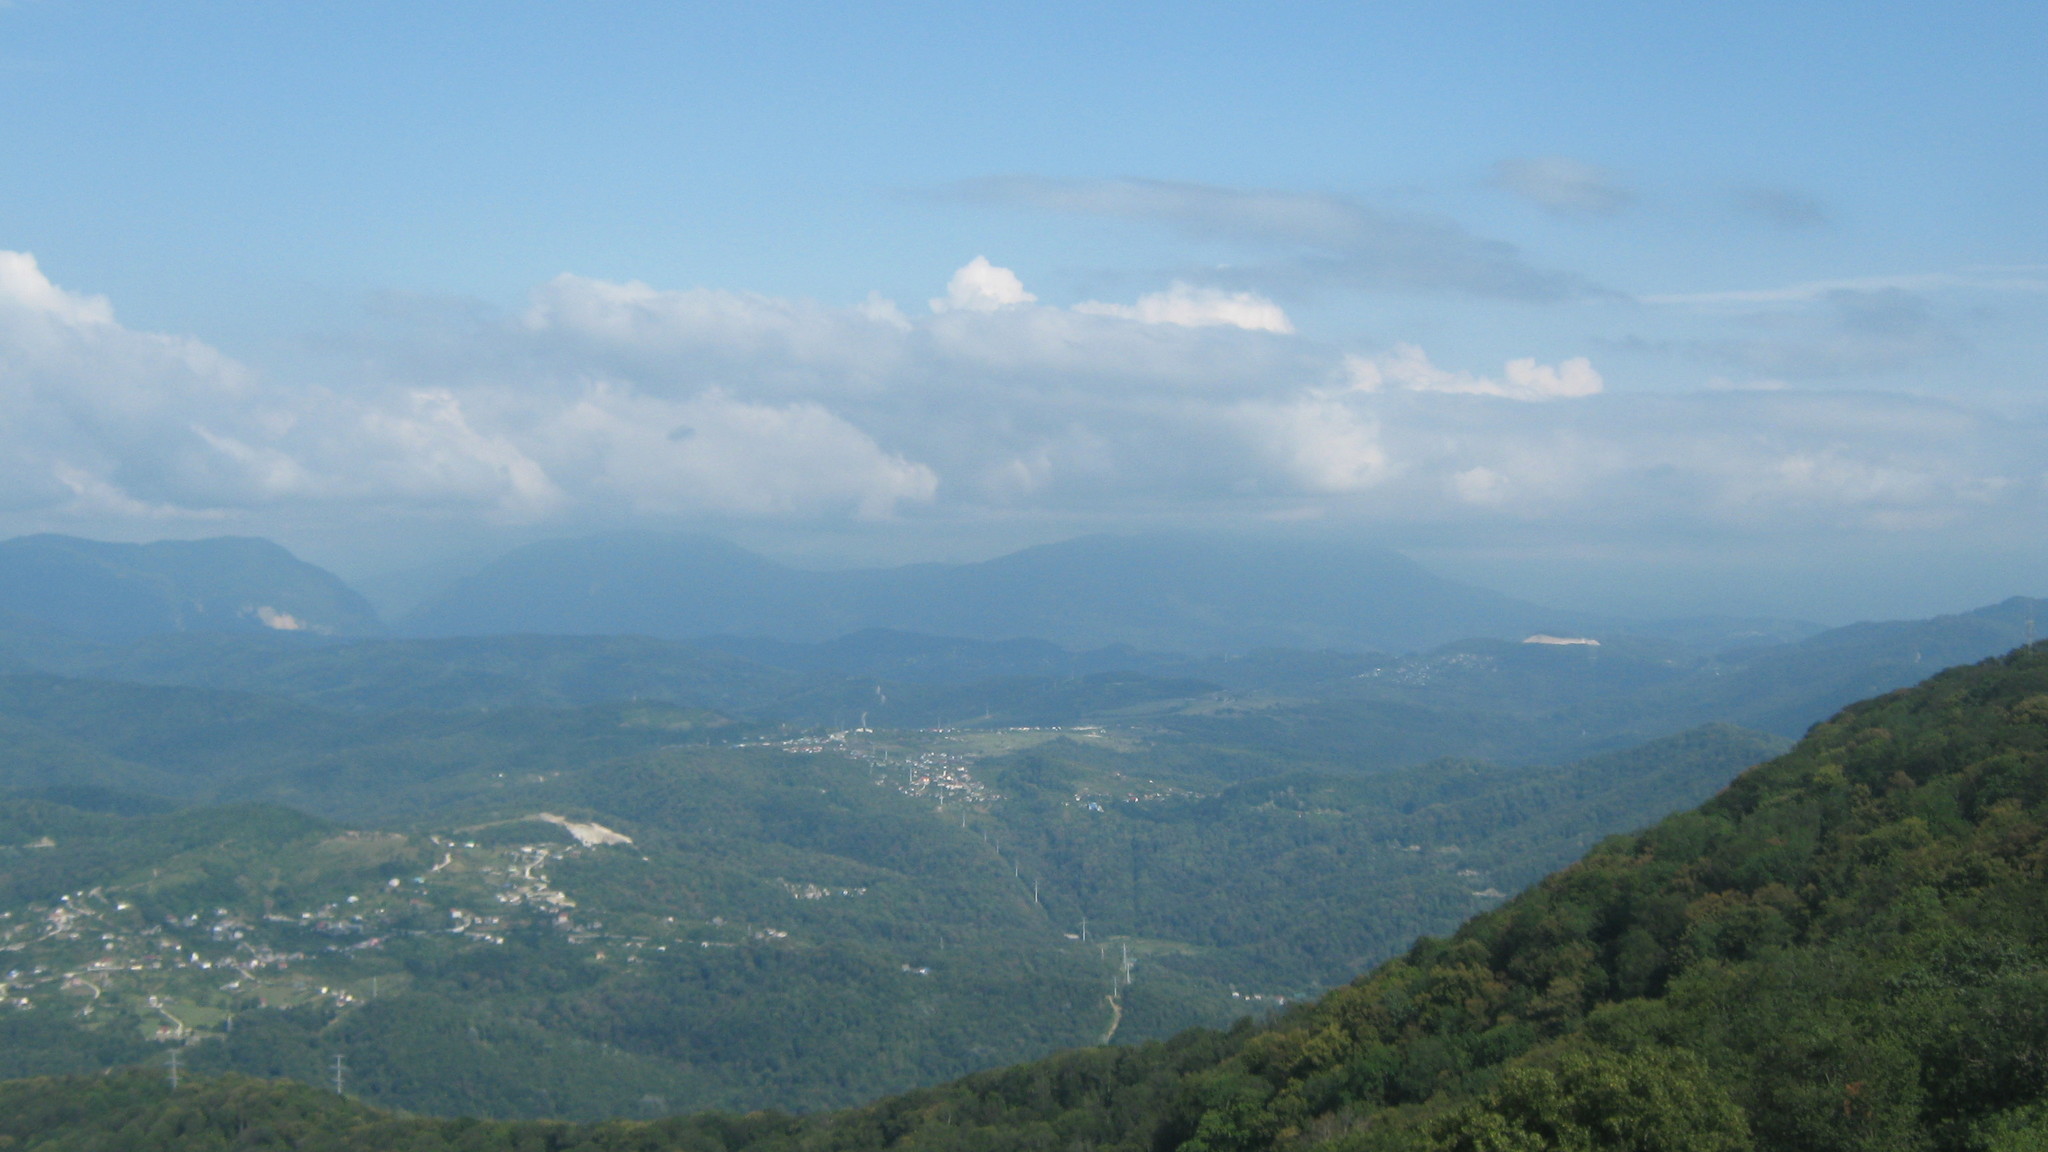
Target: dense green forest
(808, 922)
(1847, 948)
(838, 885)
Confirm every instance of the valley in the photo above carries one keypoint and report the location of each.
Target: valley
(614, 876)
(968, 897)
(1842, 949)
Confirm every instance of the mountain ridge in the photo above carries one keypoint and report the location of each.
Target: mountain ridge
(221, 584)
(1160, 592)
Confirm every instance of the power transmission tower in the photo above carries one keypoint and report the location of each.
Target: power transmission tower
(338, 1066)
(174, 1069)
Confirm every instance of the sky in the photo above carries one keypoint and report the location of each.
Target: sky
(1649, 309)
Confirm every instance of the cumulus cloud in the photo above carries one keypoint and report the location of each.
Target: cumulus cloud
(104, 416)
(591, 326)
(1409, 367)
(980, 286)
(1323, 444)
(718, 455)
(1563, 186)
(423, 448)
(25, 292)
(624, 402)
(1301, 239)
(1192, 307)
(107, 422)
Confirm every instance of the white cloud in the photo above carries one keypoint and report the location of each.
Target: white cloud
(716, 455)
(587, 324)
(605, 402)
(1192, 307)
(25, 290)
(101, 417)
(1569, 379)
(1409, 368)
(980, 286)
(94, 496)
(1480, 485)
(105, 422)
(1325, 445)
(423, 448)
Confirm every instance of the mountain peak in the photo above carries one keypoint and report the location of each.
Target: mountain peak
(1164, 592)
(113, 590)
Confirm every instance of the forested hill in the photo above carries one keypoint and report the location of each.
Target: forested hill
(1846, 949)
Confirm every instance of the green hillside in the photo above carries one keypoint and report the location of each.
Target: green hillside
(806, 921)
(1845, 949)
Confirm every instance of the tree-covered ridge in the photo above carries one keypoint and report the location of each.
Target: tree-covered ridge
(1847, 949)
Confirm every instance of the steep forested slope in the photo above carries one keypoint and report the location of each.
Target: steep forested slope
(1846, 949)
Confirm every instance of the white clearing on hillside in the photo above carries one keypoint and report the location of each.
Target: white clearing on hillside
(281, 621)
(589, 835)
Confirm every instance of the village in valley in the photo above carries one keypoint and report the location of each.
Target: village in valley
(116, 950)
(327, 923)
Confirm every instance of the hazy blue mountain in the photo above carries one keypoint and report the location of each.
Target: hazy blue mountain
(1519, 703)
(911, 657)
(1500, 700)
(447, 674)
(1166, 593)
(1784, 688)
(226, 584)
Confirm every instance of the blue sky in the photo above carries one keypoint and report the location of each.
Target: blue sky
(395, 282)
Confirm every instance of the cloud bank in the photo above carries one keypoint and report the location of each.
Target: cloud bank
(602, 401)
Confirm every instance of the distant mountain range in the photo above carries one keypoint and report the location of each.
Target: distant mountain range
(669, 616)
(1164, 593)
(122, 591)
